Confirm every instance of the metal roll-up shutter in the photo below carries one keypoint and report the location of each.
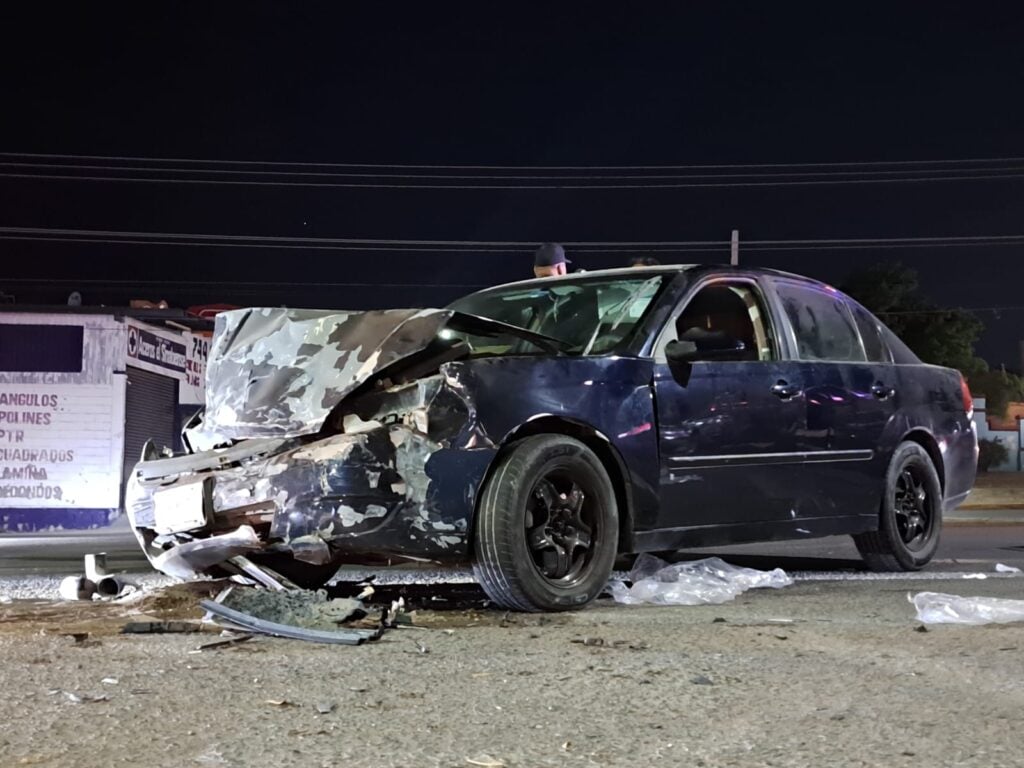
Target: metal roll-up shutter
(150, 414)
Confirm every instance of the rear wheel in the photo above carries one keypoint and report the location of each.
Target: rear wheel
(910, 520)
(546, 526)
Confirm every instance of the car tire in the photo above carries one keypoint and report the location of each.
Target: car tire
(546, 528)
(910, 520)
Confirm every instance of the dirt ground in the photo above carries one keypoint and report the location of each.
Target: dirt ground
(995, 489)
(822, 673)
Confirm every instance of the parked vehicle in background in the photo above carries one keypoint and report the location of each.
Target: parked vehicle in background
(538, 429)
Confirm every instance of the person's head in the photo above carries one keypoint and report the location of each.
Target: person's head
(644, 261)
(549, 260)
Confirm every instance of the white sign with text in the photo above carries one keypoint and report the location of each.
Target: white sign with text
(61, 445)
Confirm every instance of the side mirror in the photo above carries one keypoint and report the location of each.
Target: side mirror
(681, 352)
(714, 345)
(680, 355)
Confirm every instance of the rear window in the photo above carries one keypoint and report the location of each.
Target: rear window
(822, 323)
(871, 335)
(41, 348)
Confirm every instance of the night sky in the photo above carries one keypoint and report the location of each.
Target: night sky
(566, 85)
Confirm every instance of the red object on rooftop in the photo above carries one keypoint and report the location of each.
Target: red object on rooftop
(209, 310)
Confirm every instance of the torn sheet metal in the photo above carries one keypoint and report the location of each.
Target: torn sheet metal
(280, 372)
(321, 496)
(188, 560)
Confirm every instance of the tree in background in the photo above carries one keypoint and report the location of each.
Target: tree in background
(939, 336)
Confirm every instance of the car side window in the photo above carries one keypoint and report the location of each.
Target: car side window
(822, 323)
(874, 347)
(734, 310)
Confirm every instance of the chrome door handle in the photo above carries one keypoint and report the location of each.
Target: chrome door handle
(785, 391)
(882, 392)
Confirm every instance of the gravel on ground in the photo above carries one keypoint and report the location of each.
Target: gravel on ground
(819, 673)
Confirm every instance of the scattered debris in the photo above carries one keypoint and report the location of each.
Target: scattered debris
(95, 566)
(700, 582)
(110, 681)
(81, 639)
(600, 642)
(302, 608)
(420, 647)
(391, 615)
(921, 628)
(1000, 568)
(76, 588)
(189, 560)
(262, 575)
(938, 608)
(212, 757)
(237, 619)
(280, 703)
(701, 680)
(76, 698)
(486, 761)
(978, 576)
(225, 643)
(160, 627)
(325, 707)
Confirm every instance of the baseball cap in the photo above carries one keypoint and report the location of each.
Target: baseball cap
(549, 254)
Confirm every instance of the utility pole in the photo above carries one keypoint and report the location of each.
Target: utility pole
(734, 259)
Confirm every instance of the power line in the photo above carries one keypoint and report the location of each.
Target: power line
(478, 248)
(343, 240)
(1006, 308)
(951, 172)
(294, 164)
(251, 286)
(509, 187)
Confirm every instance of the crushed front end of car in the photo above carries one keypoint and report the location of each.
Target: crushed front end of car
(326, 437)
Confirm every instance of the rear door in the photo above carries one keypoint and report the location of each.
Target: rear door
(851, 392)
(728, 429)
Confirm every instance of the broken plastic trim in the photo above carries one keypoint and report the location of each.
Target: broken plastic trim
(253, 624)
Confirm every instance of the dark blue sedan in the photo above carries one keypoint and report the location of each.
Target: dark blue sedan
(541, 428)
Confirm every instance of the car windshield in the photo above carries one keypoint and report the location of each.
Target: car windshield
(589, 316)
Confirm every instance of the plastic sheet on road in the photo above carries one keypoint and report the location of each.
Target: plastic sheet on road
(701, 582)
(939, 608)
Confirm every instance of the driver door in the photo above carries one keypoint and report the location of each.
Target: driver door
(730, 419)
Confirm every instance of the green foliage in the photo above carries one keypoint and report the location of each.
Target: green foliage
(939, 336)
(991, 453)
(999, 389)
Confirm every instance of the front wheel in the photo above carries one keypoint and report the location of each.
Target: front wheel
(911, 515)
(546, 526)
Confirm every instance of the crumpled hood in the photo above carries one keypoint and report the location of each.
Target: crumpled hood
(279, 372)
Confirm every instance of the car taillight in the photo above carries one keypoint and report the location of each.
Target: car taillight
(965, 391)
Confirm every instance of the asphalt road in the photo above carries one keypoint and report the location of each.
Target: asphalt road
(963, 548)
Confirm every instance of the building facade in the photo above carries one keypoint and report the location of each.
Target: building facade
(80, 393)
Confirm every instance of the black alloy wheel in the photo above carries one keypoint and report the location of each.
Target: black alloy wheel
(910, 520)
(546, 528)
(912, 507)
(559, 522)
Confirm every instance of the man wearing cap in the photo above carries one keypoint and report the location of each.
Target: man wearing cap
(550, 261)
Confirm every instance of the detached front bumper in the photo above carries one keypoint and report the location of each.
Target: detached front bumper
(389, 491)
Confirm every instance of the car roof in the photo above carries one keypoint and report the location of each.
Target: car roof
(660, 269)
